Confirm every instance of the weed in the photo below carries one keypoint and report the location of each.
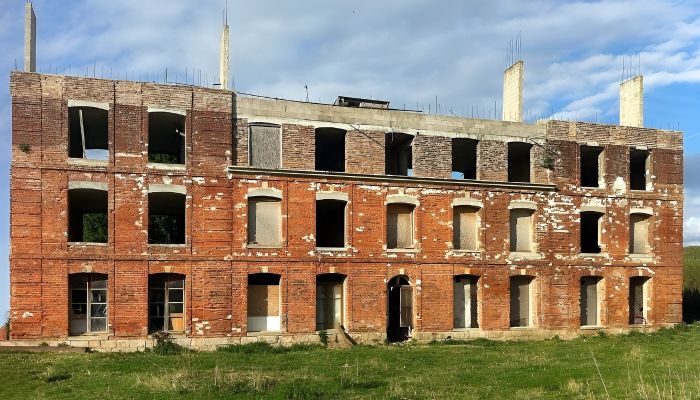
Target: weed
(323, 337)
(25, 148)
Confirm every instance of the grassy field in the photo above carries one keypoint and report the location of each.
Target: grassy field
(661, 365)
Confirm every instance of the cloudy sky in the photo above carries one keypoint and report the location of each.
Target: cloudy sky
(407, 52)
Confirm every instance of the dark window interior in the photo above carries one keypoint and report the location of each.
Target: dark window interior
(330, 149)
(87, 133)
(87, 216)
(399, 158)
(590, 166)
(464, 158)
(263, 279)
(166, 218)
(590, 232)
(330, 223)
(638, 169)
(166, 138)
(166, 300)
(519, 162)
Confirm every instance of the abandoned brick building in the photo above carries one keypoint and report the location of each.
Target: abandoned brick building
(222, 218)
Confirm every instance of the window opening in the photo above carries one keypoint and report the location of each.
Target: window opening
(465, 302)
(264, 221)
(400, 310)
(400, 226)
(88, 303)
(465, 227)
(166, 138)
(521, 230)
(592, 166)
(265, 146)
(639, 233)
(87, 216)
(590, 232)
(399, 154)
(166, 303)
(464, 158)
(639, 169)
(520, 299)
(329, 301)
(590, 301)
(637, 306)
(330, 223)
(330, 149)
(166, 218)
(88, 133)
(264, 302)
(519, 164)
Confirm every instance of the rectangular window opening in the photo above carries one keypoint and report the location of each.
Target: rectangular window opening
(87, 216)
(166, 218)
(519, 163)
(590, 300)
(637, 300)
(166, 303)
(400, 226)
(330, 223)
(329, 301)
(639, 169)
(520, 301)
(88, 133)
(592, 166)
(264, 221)
(465, 302)
(265, 146)
(521, 230)
(399, 154)
(464, 158)
(166, 138)
(88, 303)
(264, 303)
(330, 149)
(590, 232)
(639, 234)
(465, 227)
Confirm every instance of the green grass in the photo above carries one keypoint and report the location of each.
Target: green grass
(661, 365)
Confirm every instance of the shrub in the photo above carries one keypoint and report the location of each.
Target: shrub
(323, 337)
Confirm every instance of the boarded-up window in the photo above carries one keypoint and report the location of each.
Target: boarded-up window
(263, 302)
(400, 226)
(520, 287)
(521, 230)
(639, 233)
(465, 302)
(264, 221)
(265, 146)
(466, 228)
(590, 286)
(638, 289)
(406, 306)
(329, 301)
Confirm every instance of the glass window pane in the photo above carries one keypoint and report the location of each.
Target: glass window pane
(99, 296)
(175, 295)
(175, 308)
(99, 283)
(98, 310)
(98, 324)
(177, 283)
(79, 309)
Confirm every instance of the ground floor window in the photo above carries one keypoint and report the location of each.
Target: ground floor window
(166, 303)
(520, 301)
(637, 298)
(465, 302)
(88, 303)
(264, 303)
(329, 301)
(590, 300)
(400, 309)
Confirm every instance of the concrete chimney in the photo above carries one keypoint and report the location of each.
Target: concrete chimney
(632, 102)
(224, 55)
(513, 92)
(29, 38)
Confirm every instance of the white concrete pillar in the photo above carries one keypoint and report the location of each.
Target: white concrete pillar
(513, 92)
(224, 58)
(632, 102)
(29, 38)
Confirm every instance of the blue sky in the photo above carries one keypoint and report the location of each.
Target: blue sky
(407, 52)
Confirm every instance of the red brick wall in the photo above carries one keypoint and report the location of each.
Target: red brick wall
(216, 259)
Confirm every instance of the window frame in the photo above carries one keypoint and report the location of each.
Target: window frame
(90, 279)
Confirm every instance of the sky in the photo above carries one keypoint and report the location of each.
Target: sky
(410, 53)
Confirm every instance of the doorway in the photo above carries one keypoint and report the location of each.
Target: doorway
(399, 310)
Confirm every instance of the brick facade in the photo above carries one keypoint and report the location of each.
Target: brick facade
(217, 261)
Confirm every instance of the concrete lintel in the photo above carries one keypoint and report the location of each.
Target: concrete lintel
(593, 208)
(161, 188)
(519, 204)
(87, 185)
(466, 201)
(401, 199)
(264, 192)
(85, 103)
(332, 196)
(642, 210)
(167, 110)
